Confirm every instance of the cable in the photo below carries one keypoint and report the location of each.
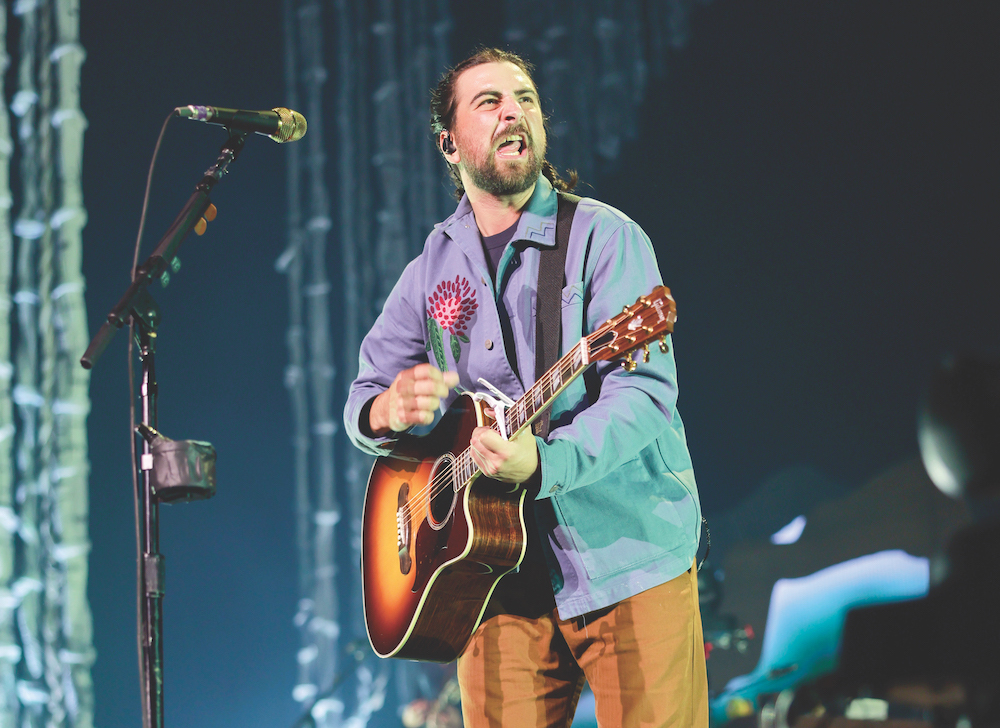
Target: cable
(708, 544)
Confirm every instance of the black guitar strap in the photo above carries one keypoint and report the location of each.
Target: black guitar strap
(548, 298)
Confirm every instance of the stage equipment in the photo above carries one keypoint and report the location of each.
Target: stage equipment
(721, 631)
(171, 471)
(805, 621)
(182, 470)
(279, 124)
(932, 661)
(941, 652)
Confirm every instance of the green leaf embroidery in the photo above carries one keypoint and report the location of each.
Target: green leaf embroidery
(455, 350)
(463, 338)
(437, 344)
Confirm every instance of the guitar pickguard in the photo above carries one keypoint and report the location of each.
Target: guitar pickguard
(431, 548)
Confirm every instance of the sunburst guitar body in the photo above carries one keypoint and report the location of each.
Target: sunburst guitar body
(435, 548)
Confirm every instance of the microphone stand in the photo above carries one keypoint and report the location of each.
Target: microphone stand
(162, 459)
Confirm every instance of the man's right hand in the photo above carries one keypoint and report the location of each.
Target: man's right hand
(412, 399)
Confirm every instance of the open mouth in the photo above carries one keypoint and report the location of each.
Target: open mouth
(512, 146)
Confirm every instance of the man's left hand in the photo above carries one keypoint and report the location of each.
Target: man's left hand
(510, 461)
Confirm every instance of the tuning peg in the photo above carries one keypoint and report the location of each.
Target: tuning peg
(629, 364)
(645, 353)
(664, 348)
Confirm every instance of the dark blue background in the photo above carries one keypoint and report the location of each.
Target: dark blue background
(820, 180)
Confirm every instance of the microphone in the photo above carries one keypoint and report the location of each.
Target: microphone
(282, 125)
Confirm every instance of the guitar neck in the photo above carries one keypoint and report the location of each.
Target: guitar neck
(541, 394)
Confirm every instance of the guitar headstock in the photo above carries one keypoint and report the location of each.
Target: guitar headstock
(651, 317)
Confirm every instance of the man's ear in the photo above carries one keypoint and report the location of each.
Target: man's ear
(448, 147)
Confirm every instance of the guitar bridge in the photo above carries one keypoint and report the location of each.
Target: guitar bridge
(403, 529)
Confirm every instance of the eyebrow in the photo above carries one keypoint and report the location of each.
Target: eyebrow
(494, 92)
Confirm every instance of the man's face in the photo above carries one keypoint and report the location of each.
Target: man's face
(498, 131)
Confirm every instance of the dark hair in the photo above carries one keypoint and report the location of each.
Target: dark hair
(443, 111)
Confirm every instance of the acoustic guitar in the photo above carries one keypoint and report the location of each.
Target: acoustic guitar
(437, 534)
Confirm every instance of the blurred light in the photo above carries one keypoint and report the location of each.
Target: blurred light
(958, 427)
(790, 533)
(739, 708)
(867, 709)
(936, 463)
(303, 692)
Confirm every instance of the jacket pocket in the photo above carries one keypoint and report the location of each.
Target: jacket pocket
(626, 520)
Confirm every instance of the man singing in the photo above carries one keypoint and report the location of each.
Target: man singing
(607, 592)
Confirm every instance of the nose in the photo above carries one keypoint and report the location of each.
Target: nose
(511, 110)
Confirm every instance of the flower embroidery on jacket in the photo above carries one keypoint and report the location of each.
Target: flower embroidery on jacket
(451, 308)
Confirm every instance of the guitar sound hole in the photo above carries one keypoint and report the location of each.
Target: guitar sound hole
(443, 495)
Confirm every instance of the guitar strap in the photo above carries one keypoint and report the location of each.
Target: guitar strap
(548, 298)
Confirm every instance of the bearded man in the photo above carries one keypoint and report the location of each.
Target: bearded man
(607, 590)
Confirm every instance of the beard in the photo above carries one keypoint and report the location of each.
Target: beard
(506, 178)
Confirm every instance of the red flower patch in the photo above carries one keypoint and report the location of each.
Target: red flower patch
(452, 305)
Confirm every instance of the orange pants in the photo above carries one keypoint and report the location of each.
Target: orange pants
(643, 657)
